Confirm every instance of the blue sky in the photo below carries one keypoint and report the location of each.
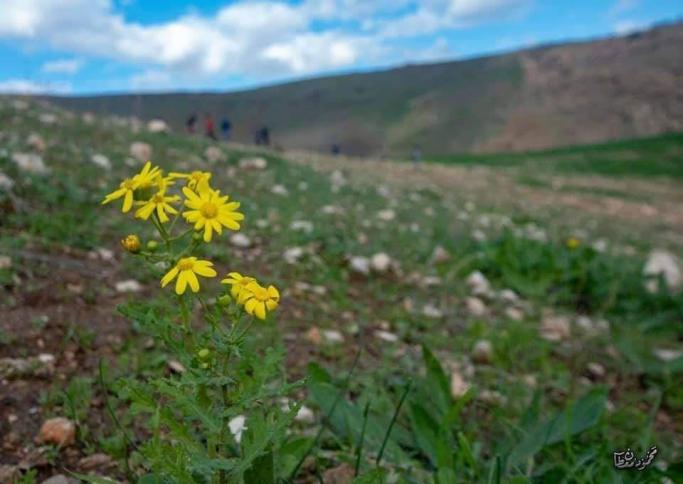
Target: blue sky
(91, 46)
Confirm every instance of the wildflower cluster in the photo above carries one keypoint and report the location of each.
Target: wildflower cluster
(207, 211)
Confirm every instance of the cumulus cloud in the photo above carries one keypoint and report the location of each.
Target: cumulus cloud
(266, 38)
(26, 86)
(63, 66)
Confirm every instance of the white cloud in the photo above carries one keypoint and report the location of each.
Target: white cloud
(625, 27)
(63, 66)
(26, 86)
(266, 38)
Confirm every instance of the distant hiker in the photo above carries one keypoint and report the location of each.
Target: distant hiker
(416, 156)
(226, 126)
(209, 128)
(191, 123)
(335, 149)
(265, 136)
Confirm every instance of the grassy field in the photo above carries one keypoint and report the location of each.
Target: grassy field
(506, 335)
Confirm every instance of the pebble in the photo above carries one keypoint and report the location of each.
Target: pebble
(101, 161)
(386, 215)
(458, 384)
(5, 262)
(482, 352)
(292, 255)
(333, 336)
(176, 367)
(305, 415)
(432, 312)
(157, 126)
(253, 163)
(280, 190)
(596, 370)
(663, 263)
(386, 336)
(314, 336)
(36, 142)
(360, 265)
(214, 154)
(514, 314)
(439, 255)
(478, 284)
(6, 183)
(96, 461)
(667, 355)
(59, 431)
(380, 262)
(240, 240)
(509, 296)
(302, 226)
(475, 306)
(30, 163)
(555, 328)
(129, 285)
(141, 151)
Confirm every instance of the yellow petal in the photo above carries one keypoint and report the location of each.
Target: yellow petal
(170, 275)
(260, 310)
(127, 201)
(181, 283)
(193, 281)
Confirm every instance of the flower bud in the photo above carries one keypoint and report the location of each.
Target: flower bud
(197, 236)
(573, 243)
(131, 243)
(204, 353)
(152, 245)
(224, 300)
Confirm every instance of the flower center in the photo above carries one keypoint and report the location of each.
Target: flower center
(128, 184)
(209, 210)
(261, 293)
(185, 264)
(158, 198)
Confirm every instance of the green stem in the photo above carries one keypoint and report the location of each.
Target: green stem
(391, 424)
(184, 313)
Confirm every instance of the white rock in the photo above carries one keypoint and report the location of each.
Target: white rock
(302, 226)
(214, 154)
(6, 183)
(360, 264)
(141, 151)
(31, 163)
(380, 262)
(101, 161)
(431, 281)
(59, 431)
(509, 296)
(492, 397)
(237, 427)
(475, 306)
(386, 336)
(664, 263)
(36, 142)
(478, 284)
(432, 312)
(302, 186)
(46, 358)
(293, 254)
(387, 215)
(176, 367)
(279, 190)
(157, 126)
(667, 355)
(440, 255)
(305, 415)
(254, 163)
(47, 118)
(479, 235)
(555, 328)
(331, 210)
(514, 313)
(5, 262)
(129, 285)
(105, 254)
(262, 223)
(482, 352)
(600, 245)
(333, 336)
(240, 240)
(458, 385)
(596, 370)
(337, 179)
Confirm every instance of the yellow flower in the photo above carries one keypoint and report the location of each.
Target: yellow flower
(238, 283)
(211, 212)
(131, 243)
(196, 180)
(128, 186)
(573, 243)
(258, 299)
(159, 202)
(187, 269)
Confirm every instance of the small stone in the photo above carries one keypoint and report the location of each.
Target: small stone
(380, 262)
(314, 336)
(105, 254)
(509, 296)
(492, 397)
(214, 154)
(478, 284)
(305, 415)
(386, 336)
(255, 163)
(6, 183)
(667, 355)
(332, 210)
(237, 427)
(293, 254)
(333, 336)
(141, 151)
(47, 118)
(58, 479)
(302, 226)
(475, 306)
(596, 370)
(458, 385)
(479, 235)
(432, 312)
(5, 262)
(337, 179)
(240, 240)
(36, 142)
(30, 163)
(663, 263)
(96, 462)
(157, 126)
(280, 190)
(440, 255)
(386, 215)
(530, 381)
(360, 265)
(555, 328)
(482, 352)
(59, 431)
(101, 161)
(430, 281)
(129, 285)
(176, 367)
(514, 314)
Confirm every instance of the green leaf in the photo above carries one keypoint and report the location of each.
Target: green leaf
(262, 470)
(375, 476)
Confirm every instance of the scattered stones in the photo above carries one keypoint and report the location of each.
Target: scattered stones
(35, 366)
(302, 226)
(482, 352)
(386, 215)
(292, 255)
(305, 415)
(214, 154)
(439, 255)
(240, 240)
(101, 161)
(555, 328)
(360, 265)
(478, 284)
(280, 190)
(386, 336)
(5, 262)
(158, 126)
(36, 142)
(30, 163)
(596, 370)
(475, 306)
(141, 151)
(237, 427)
(380, 262)
(663, 263)
(129, 285)
(432, 312)
(6, 183)
(59, 431)
(255, 163)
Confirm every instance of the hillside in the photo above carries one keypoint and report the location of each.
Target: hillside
(537, 98)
